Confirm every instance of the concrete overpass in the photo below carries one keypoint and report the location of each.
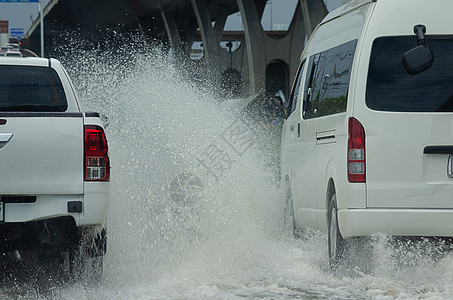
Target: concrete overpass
(263, 62)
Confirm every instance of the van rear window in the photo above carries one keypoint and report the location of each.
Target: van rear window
(29, 88)
(391, 88)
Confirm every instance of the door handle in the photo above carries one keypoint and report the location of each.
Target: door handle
(4, 139)
(298, 129)
(438, 150)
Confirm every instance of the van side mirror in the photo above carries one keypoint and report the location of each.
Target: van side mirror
(421, 57)
(281, 100)
(276, 105)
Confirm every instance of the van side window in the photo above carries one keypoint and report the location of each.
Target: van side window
(311, 87)
(327, 81)
(296, 88)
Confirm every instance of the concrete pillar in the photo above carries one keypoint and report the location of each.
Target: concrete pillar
(210, 42)
(188, 37)
(214, 55)
(171, 27)
(254, 42)
(314, 11)
(258, 49)
(261, 49)
(297, 32)
(220, 22)
(216, 60)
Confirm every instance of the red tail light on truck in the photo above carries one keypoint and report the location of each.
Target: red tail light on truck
(356, 152)
(96, 161)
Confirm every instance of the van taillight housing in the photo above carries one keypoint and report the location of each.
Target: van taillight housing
(96, 161)
(356, 152)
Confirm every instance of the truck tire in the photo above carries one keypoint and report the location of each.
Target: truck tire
(86, 256)
(85, 268)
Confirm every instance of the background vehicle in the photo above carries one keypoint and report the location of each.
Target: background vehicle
(15, 46)
(368, 144)
(12, 54)
(5, 48)
(54, 199)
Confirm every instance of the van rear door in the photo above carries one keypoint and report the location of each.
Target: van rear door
(409, 127)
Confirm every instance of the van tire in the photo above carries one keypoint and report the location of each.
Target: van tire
(288, 215)
(336, 244)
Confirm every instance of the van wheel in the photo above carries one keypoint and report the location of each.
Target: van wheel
(336, 243)
(289, 222)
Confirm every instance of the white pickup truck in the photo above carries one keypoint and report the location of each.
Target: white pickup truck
(54, 164)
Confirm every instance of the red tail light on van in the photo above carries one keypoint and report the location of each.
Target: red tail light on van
(96, 164)
(356, 152)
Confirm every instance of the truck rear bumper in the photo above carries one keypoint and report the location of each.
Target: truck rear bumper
(93, 207)
(95, 204)
(396, 222)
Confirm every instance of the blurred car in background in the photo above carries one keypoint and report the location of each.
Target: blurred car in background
(5, 48)
(12, 53)
(15, 46)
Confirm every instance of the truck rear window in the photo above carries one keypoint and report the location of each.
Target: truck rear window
(391, 88)
(29, 88)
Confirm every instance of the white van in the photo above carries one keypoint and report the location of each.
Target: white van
(367, 143)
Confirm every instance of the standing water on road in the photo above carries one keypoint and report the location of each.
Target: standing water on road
(196, 211)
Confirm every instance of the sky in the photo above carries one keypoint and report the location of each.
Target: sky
(277, 14)
(20, 15)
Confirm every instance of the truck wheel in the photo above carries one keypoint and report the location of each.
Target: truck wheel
(85, 268)
(86, 255)
(336, 243)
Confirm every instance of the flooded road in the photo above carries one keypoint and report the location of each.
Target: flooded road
(196, 211)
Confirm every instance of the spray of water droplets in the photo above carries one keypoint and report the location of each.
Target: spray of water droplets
(196, 210)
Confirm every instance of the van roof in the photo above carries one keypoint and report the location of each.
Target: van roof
(346, 8)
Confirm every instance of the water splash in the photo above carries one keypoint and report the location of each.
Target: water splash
(161, 130)
(183, 229)
(195, 204)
